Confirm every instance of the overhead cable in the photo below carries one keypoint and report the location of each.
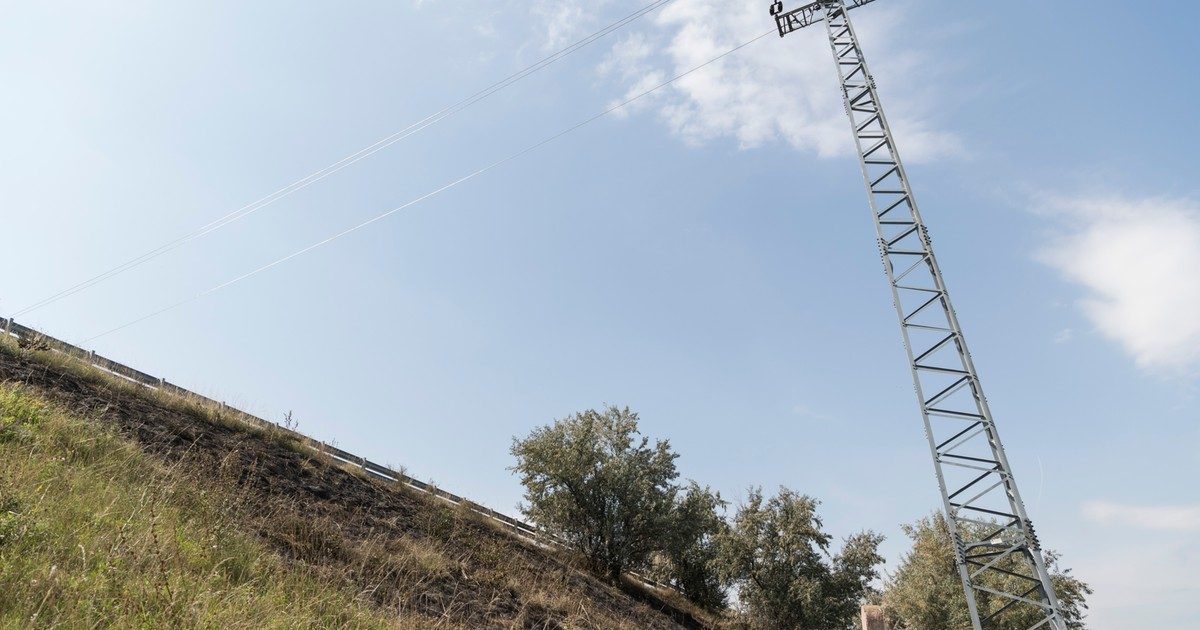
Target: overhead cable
(427, 195)
(345, 162)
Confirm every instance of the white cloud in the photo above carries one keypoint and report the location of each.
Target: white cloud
(806, 412)
(1141, 582)
(1180, 518)
(485, 29)
(1136, 260)
(772, 90)
(1141, 579)
(567, 20)
(630, 62)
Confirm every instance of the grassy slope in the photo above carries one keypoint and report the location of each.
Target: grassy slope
(94, 531)
(119, 506)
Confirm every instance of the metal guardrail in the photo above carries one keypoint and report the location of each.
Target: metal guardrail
(519, 528)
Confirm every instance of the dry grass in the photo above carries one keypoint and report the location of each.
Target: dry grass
(35, 349)
(93, 532)
(221, 528)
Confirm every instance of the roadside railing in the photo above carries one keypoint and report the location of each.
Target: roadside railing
(518, 527)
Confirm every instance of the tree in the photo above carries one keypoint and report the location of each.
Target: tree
(926, 591)
(778, 556)
(689, 556)
(594, 481)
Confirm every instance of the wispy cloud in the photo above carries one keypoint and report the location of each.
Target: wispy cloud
(1180, 518)
(567, 20)
(1140, 576)
(805, 412)
(771, 91)
(1135, 572)
(1136, 260)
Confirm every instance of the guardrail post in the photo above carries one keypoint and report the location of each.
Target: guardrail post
(8, 326)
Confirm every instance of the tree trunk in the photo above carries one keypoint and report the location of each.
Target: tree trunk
(873, 618)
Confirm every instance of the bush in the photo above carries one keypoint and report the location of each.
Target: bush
(779, 558)
(926, 591)
(595, 482)
(689, 557)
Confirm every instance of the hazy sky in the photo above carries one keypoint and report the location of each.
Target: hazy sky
(704, 255)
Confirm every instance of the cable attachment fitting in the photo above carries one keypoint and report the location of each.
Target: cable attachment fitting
(1031, 535)
(960, 551)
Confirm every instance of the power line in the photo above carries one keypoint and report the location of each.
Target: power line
(432, 193)
(345, 162)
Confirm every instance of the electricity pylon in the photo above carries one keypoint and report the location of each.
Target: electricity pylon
(998, 555)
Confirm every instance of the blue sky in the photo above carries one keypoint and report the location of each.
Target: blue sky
(704, 256)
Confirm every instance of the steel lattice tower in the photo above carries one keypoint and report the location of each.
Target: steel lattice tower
(998, 555)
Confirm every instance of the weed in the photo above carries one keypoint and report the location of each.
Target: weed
(290, 423)
(33, 342)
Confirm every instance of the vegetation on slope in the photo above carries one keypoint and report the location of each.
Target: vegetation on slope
(595, 482)
(95, 532)
(126, 507)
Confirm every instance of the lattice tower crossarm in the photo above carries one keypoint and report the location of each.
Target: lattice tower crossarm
(997, 552)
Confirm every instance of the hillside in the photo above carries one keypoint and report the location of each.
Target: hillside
(123, 506)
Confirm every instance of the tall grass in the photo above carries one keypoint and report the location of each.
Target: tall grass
(95, 533)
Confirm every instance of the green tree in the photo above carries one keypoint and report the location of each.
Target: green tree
(926, 591)
(689, 556)
(594, 481)
(779, 558)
